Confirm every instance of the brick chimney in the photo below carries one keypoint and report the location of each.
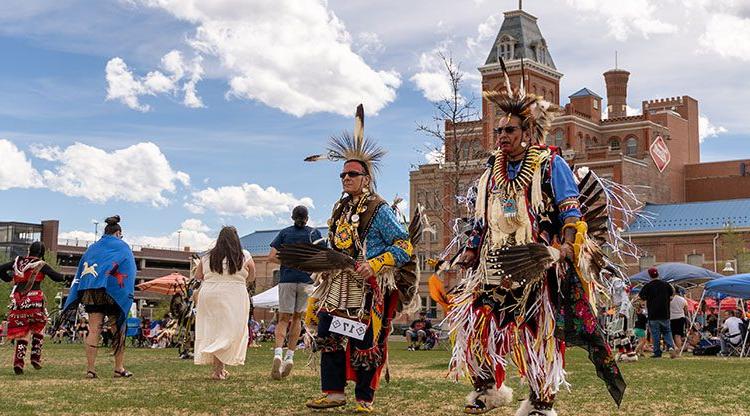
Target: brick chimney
(617, 92)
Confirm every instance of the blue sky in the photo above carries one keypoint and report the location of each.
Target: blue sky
(271, 81)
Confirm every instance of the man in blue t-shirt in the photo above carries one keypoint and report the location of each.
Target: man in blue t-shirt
(293, 290)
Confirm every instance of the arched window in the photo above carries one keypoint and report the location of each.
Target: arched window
(588, 141)
(614, 143)
(631, 146)
(559, 139)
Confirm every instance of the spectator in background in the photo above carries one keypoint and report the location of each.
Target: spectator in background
(418, 331)
(731, 332)
(657, 294)
(639, 329)
(678, 310)
(711, 323)
(293, 290)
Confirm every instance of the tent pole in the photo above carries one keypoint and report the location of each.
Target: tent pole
(692, 322)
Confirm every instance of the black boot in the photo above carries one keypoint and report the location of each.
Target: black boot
(19, 355)
(37, 340)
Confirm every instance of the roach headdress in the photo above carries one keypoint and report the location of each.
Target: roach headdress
(354, 147)
(535, 112)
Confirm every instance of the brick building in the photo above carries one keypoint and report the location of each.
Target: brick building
(610, 142)
(708, 234)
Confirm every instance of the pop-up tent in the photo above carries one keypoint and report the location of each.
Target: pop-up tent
(268, 299)
(737, 286)
(678, 274)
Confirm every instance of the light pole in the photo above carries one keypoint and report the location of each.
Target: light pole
(96, 229)
(178, 239)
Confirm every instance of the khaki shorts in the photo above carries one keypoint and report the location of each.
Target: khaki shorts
(293, 297)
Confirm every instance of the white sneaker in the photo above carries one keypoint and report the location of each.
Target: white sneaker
(276, 368)
(286, 367)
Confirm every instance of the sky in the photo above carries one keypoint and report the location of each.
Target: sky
(183, 116)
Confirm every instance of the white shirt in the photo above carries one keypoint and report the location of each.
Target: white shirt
(677, 307)
(732, 325)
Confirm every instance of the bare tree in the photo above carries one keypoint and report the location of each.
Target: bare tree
(451, 143)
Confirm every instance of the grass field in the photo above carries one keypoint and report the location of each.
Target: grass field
(165, 385)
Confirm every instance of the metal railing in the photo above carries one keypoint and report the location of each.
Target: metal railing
(74, 242)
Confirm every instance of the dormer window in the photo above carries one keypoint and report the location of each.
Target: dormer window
(506, 48)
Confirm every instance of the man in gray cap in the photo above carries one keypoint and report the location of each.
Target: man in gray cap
(293, 291)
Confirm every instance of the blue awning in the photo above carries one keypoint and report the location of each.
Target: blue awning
(737, 286)
(678, 273)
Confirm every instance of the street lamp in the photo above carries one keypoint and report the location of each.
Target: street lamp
(96, 228)
(178, 239)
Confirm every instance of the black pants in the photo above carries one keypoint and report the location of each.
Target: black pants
(333, 361)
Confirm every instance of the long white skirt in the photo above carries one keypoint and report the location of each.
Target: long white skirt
(221, 323)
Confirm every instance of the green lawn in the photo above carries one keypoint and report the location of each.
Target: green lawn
(165, 385)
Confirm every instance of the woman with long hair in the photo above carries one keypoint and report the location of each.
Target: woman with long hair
(221, 331)
(104, 284)
(28, 316)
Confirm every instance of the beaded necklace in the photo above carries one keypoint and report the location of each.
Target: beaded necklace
(512, 189)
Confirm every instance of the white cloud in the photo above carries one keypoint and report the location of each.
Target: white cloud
(626, 17)
(139, 173)
(707, 129)
(486, 33)
(433, 156)
(368, 43)
(192, 233)
(292, 55)
(124, 86)
(432, 79)
(247, 200)
(16, 170)
(727, 35)
(71, 237)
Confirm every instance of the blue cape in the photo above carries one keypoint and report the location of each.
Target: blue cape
(108, 264)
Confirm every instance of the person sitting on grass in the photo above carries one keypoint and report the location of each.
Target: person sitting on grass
(418, 332)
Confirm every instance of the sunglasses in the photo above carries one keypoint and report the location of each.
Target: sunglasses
(351, 174)
(506, 129)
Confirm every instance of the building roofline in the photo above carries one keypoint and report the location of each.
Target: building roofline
(684, 232)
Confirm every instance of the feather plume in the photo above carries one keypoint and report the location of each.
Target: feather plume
(416, 226)
(508, 88)
(353, 146)
(359, 123)
(312, 259)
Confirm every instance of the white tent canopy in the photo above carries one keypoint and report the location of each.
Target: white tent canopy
(268, 299)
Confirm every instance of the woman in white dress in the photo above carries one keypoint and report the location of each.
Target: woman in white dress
(223, 304)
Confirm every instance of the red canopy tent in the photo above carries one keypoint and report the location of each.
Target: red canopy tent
(166, 285)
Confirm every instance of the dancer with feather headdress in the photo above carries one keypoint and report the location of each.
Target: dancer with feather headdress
(533, 265)
(361, 281)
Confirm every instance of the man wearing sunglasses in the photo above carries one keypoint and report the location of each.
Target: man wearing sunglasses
(366, 228)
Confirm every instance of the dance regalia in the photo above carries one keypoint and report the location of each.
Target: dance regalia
(528, 314)
(370, 224)
(27, 312)
(105, 280)
(360, 229)
(27, 309)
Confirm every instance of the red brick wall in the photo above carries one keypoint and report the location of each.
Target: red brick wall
(717, 180)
